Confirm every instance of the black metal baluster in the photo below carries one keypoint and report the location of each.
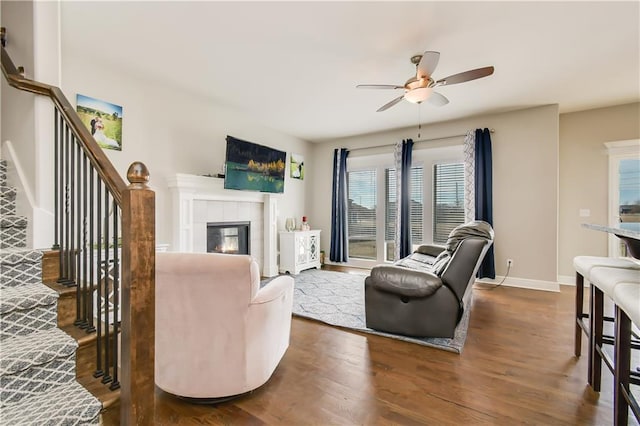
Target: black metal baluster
(72, 231)
(107, 377)
(98, 305)
(90, 249)
(82, 238)
(116, 294)
(76, 230)
(72, 227)
(64, 225)
(56, 159)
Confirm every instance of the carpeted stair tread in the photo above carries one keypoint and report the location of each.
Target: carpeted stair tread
(13, 256)
(23, 352)
(68, 404)
(13, 221)
(26, 297)
(34, 381)
(27, 309)
(20, 266)
(13, 237)
(7, 192)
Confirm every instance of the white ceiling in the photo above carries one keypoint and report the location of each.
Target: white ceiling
(294, 65)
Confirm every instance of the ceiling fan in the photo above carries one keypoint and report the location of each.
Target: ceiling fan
(420, 87)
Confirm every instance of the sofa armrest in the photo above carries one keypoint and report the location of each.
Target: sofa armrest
(430, 249)
(404, 282)
(274, 289)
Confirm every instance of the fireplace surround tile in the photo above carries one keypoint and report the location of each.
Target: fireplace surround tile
(198, 200)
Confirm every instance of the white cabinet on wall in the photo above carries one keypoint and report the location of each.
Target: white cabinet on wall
(299, 250)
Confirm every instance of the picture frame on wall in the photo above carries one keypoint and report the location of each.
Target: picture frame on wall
(103, 119)
(296, 166)
(253, 167)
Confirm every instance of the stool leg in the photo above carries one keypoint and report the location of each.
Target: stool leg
(579, 313)
(622, 367)
(595, 337)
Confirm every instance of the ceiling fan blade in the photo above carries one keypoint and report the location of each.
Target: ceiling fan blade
(390, 104)
(436, 99)
(428, 64)
(378, 86)
(465, 76)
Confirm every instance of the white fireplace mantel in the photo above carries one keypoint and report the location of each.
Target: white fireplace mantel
(186, 189)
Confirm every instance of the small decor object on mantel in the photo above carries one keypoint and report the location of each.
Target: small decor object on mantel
(305, 225)
(290, 224)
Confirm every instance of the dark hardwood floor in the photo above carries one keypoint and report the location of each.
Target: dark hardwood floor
(517, 367)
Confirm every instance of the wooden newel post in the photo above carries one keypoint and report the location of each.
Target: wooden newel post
(137, 395)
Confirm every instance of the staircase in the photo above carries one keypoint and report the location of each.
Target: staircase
(37, 359)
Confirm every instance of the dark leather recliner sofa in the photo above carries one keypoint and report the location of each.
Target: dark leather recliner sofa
(425, 294)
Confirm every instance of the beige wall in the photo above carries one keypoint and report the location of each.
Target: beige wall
(173, 131)
(17, 110)
(525, 162)
(584, 183)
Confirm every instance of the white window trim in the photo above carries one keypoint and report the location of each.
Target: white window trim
(617, 150)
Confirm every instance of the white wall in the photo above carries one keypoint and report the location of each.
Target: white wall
(18, 106)
(17, 109)
(173, 131)
(27, 138)
(525, 185)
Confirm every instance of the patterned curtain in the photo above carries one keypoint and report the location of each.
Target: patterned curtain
(484, 194)
(469, 176)
(339, 251)
(403, 153)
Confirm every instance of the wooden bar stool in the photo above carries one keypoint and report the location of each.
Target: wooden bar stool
(623, 287)
(583, 266)
(626, 297)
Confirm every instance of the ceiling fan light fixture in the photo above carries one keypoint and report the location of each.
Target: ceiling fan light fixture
(418, 95)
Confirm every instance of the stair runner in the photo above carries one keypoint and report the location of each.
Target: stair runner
(37, 359)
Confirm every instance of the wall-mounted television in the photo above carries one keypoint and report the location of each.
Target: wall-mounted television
(253, 167)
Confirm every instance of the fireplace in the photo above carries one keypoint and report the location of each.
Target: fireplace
(229, 237)
(199, 200)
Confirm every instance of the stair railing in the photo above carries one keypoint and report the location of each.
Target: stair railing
(105, 233)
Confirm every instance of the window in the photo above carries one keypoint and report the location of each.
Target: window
(624, 191)
(361, 213)
(448, 199)
(416, 194)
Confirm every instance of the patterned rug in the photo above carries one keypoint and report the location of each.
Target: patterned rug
(337, 298)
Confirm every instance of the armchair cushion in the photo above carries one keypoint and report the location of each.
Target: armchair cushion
(405, 282)
(430, 250)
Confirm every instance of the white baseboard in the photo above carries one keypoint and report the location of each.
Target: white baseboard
(522, 283)
(568, 280)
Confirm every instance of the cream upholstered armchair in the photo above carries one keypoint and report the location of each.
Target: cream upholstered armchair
(218, 334)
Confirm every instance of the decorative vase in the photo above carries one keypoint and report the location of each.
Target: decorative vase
(290, 224)
(305, 225)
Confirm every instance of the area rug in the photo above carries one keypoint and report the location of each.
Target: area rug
(337, 298)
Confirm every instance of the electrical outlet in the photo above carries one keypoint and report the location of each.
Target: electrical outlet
(509, 263)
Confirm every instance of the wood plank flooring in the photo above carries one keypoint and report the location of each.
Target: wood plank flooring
(517, 367)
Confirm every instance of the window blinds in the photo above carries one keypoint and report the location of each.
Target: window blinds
(448, 199)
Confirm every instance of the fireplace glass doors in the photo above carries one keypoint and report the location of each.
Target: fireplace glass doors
(229, 237)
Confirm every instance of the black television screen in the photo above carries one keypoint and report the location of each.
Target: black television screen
(254, 167)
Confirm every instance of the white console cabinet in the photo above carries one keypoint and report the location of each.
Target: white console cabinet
(299, 250)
